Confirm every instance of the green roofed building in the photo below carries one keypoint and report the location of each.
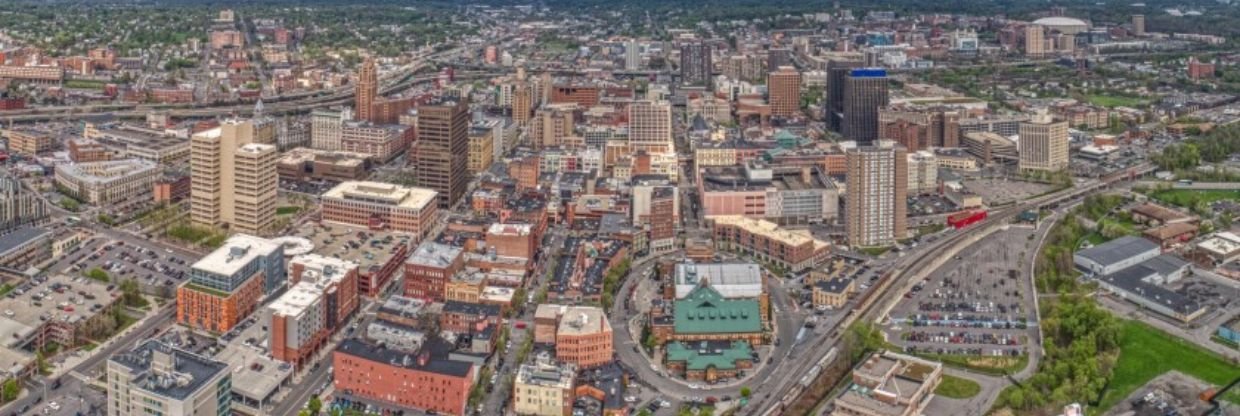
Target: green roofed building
(709, 360)
(705, 315)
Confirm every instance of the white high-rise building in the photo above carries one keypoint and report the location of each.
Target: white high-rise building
(326, 127)
(650, 127)
(632, 55)
(1043, 144)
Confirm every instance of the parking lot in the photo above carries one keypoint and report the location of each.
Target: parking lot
(1000, 191)
(978, 303)
(158, 272)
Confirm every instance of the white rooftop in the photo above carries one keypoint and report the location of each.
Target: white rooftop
(236, 252)
(297, 299)
(383, 193)
(323, 270)
(509, 229)
(1222, 244)
(732, 280)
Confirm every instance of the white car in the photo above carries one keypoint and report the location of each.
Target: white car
(695, 386)
(630, 399)
(53, 405)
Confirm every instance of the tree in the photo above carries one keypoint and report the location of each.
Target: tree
(11, 390)
(131, 294)
(315, 405)
(745, 392)
(97, 274)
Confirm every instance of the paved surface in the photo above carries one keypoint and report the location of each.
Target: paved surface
(974, 304)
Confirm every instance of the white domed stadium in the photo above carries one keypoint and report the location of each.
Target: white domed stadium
(1066, 25)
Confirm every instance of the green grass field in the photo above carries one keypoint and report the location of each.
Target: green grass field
(287, 210)
(957, 388)
(1189, 197)
(1116, 101)
(1146, 353)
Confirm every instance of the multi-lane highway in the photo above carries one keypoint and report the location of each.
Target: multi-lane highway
(389, 82)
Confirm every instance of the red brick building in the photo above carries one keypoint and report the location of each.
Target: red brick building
(525, 172)
(169, 188)
(12, 103)
(585, 96)
(85, 150)
(513, 240)
(429, 268)
(388, 375)
(1200, 70)
(321, 298)
(465, 318)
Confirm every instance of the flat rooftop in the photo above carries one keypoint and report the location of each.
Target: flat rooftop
(432, 254)
(366, 248)
(769, 229)
(1118, 250)
(321, 269)
(296, 299)
(20, 236)
(236, 252)
(582, 320)
(254, 373)
(61, 298)
(383, 193)
(732, 280)
(187, 374)
(393, 357)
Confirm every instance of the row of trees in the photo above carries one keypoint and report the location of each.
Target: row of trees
(1215, 146)
(1081, 346)
(1081, 340)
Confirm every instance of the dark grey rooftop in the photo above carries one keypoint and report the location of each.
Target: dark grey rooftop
(190, 371)
(19, 237)
(403, 359)
(1118, 250)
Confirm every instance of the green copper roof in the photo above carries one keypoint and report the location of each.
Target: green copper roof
(705, 311)
(704, 356)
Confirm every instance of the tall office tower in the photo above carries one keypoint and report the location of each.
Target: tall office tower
(326, 127)
(443, 149)
(550, 125)
(17, 205)
(632, 55)
(777, 57)
(1138, 24)
(837, 74)
(875, 198)
(1043, 144)
(155, 375)
(233, 178)
(522, 103)
(865, 91)
(784, 87)
(367, 89)
(695, 63)
(1035, 41)
(650, 127)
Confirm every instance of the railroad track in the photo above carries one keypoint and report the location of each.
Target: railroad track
(866, 306)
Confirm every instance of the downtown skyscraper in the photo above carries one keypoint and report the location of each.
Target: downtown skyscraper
(442, 153)
(367, 89)
(695, 63)
(865, 91)
(875, 207)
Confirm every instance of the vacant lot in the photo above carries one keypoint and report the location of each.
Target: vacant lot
(1146, 353)
(1116, 101)
(1189, 198)
(957, 388)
